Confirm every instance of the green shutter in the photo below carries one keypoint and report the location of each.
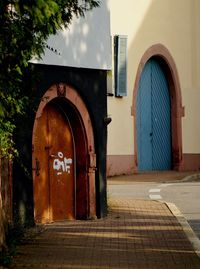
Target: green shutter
(120, 49)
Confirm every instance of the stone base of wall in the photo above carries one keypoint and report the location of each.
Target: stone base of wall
(125, 165)
(191, 162)
(120, 165)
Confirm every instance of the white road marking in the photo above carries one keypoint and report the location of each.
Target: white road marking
(155, 197)
(154, 190)
(164, 185)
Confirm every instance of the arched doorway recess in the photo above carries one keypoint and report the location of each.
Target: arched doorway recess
(63, 158)
(158, 51)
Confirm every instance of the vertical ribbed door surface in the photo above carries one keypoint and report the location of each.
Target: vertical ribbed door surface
(153, 120)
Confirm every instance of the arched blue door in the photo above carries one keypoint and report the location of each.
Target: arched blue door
(153, 119)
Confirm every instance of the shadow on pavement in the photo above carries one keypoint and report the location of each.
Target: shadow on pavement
(136, 234)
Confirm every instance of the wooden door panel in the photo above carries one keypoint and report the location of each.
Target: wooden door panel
(40, 165)
(61, 166)
(54, 188)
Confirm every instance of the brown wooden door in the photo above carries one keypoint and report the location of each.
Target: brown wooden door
(54, 184)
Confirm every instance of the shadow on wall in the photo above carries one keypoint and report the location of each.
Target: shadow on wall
(86, 43)
(159, 23)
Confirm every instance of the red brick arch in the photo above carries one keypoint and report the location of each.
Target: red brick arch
(82, 121)
(177, 111)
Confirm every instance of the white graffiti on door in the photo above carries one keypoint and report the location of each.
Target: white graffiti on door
(62, 164)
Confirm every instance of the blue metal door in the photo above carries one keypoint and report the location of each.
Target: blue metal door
(144, 126)
(153, 120)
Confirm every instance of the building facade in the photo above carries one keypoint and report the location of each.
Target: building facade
(137, 63)
(155, 123)
(62, 138)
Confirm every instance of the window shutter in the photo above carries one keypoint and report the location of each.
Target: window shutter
(120, 58)
(110, 86)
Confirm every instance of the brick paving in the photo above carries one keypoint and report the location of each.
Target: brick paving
(136, 234)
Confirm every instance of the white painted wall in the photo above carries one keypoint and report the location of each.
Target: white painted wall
(85, 44)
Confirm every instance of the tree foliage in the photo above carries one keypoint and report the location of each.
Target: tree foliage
(25, 26)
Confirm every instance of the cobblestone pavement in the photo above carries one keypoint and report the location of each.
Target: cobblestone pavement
(136, 234)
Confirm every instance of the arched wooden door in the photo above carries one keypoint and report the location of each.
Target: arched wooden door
(54, 184)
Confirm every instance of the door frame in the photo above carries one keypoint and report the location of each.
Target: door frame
(177, 110)
(68, 93)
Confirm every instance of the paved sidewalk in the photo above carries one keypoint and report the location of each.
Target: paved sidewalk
(159, 176)
(136, 234)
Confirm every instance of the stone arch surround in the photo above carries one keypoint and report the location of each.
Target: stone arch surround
(177, 110)
(70, 94)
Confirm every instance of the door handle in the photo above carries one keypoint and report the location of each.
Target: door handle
(37, 167)
(53, 156)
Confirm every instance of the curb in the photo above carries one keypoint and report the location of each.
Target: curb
(194, 177)
(186, 227)
(190, 178)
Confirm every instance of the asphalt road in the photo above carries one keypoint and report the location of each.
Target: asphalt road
(185, 195)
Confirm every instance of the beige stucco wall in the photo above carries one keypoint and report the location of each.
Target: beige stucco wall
(175, 24)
